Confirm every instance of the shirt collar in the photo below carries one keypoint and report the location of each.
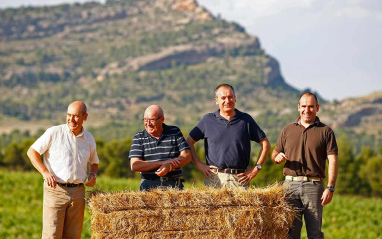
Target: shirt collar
(316, 121)
(237, 115)
(81, 134)
(165, 131)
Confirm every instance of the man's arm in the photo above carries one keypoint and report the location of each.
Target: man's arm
(183, 159)
(249, 174)
(327, 196)
(92, 175)
(204, 168)
(35, 159)
(139, 165)
(277, 157)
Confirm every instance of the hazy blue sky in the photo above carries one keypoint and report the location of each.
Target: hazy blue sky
(332, 46)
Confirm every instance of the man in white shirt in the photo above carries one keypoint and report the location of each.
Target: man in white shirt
(67, 149)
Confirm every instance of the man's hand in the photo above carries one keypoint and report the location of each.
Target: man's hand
(163, 170)
(209, 171)
(327, 197)
(50, 179)
(91, 180)
(280, 158)
(247, 176)
(175, 162)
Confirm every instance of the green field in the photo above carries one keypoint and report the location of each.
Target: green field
(21, 209)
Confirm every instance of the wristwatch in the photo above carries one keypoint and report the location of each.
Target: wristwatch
(258, 166)
(331, 188)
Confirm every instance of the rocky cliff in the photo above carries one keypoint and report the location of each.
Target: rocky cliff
(121, 56)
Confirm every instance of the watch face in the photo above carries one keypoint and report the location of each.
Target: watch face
(258, 166)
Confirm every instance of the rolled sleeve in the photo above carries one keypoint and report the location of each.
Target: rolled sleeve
(42, 144)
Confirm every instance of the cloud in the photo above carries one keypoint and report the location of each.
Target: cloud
(251, 10)
(260, 8)
(359, 9)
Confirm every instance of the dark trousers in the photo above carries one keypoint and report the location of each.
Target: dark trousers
(306, 198)
(147, 184)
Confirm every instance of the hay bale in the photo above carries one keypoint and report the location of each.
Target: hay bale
(192, 213)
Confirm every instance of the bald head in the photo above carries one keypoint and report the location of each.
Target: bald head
(79, 105)
(75, 116)
(154, 110)
(153, 120)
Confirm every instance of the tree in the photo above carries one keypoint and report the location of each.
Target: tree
(115, 159)
(270, 173)
(373, 174)
(362, 160)
(348, 178)
(24, 147)
(13, 156)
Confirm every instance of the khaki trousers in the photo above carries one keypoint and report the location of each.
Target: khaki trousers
(225, 180)
(63, 211)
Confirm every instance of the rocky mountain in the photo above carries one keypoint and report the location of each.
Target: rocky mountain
(121, 56)
(363, 114)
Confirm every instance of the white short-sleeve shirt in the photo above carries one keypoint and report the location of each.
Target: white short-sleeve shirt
(65, 155)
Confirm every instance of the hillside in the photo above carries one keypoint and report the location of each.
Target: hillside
(362, 115)
(121, 56)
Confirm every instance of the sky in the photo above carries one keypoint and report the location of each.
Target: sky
(332, 47)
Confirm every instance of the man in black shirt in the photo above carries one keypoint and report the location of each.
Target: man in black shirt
(227, 135)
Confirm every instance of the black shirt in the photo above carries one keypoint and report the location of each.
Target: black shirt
(227, 143)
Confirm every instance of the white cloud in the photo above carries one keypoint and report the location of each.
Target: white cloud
(357, 9)
(254, 8)
(317, 42)
(251, 10)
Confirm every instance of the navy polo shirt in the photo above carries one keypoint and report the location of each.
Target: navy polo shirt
(227, 143)
(168, 146)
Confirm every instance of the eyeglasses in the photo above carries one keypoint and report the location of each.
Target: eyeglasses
(150, 120)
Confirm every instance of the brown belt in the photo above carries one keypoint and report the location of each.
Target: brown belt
(303, 179)
(230, 170)
(70, 185)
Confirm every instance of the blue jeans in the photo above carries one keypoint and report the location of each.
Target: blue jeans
(306, 198)
(147, 184)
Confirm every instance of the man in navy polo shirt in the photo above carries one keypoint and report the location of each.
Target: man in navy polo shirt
(227, 135)
(158, 152)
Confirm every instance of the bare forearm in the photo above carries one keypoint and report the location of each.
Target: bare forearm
(139, 165)
(93, 168)
(194, 156)
(274, 155)
(332, 169)
(35, 159)
(264, 152)
(184, 158)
